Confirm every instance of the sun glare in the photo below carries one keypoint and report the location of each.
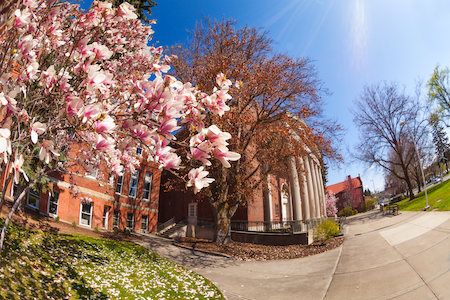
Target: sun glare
(359, 34)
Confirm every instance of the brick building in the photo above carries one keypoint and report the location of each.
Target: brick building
(87, 199)
(349, 193)
(294, 196)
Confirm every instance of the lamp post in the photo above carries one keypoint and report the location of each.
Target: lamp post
(373, 186)
(420, 164)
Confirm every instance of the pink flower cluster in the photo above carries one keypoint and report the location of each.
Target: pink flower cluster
(89, 78)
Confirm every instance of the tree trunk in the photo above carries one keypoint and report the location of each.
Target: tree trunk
(223, 212)
(222, 222)
(16, 204)
(410, 190)
(2, 199)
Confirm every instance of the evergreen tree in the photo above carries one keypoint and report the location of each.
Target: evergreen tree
(440, 138)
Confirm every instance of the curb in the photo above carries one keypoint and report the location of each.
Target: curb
(203, 251)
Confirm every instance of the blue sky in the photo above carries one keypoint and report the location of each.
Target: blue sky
(352, 43)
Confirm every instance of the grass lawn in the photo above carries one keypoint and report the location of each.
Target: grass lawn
(438, 198)
(40, 265)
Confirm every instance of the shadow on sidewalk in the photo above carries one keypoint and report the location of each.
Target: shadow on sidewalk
(187, 258)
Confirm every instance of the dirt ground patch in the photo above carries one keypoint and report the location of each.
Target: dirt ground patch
(251, 252)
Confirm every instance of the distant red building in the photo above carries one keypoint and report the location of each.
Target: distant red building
(349, 193)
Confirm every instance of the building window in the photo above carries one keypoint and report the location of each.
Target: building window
(147, 186)
(139, 151)
(33, 199)
(86, 214)
(92, 171)
(116, 218)
(119, 184)
(105, 216)
(144, 222)
(53, 204)
(277, 210)
(192, 210)
(133, 184)
(130, 221)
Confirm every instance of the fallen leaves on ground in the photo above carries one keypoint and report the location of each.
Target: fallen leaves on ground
(251, 252)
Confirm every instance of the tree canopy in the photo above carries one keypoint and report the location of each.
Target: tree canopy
(275, 112)
(382, 113)
(86, 89)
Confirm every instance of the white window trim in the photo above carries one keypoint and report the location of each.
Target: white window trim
(132, 221)
(150, 189)
(193, 205)
(90, 215)
(137, 183)
(118, 219)
(28, 200)
(145, 223)
(48, 205)
(93, 174)
(121, 185)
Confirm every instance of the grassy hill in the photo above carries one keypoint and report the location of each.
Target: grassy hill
(438, 199)
(41, 265)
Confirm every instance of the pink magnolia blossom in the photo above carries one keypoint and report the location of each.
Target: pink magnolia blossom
(169, 126)
(126, 11)
(222, 80)
(217, 137)
(109, 101)
(23, 17)
(225, 156)
(198, 180)
(37, 128)
(170, 161)
(91, 112)
(116, 166)
(5, 143)
(17, 167)
(105, 145)
(74, 105)
(201, 153)
(330, 204)
(106, 125)
(101, 51)
(47, 147)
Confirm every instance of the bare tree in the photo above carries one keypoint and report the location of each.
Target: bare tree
(380, 113)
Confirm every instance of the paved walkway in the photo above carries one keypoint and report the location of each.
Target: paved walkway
(384, 257)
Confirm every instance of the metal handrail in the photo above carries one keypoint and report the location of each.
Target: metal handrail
(165, 224)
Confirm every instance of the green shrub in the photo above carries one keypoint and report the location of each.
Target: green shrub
(369, 204)
(96, 230)
(57, 219)
(347, 211)
(74, 225)
(326, 229)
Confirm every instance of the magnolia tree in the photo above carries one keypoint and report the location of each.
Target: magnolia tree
(89, 81)
(330, 204)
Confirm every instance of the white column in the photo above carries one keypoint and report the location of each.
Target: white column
(295, 189)
(311, 193)
(316, 187)
(304, 190)
(323, 194)
(268, 213)
(320, 192)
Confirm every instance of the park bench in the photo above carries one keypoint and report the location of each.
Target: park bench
(391, 209)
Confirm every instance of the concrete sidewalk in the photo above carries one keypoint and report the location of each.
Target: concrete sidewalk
(384, 257)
